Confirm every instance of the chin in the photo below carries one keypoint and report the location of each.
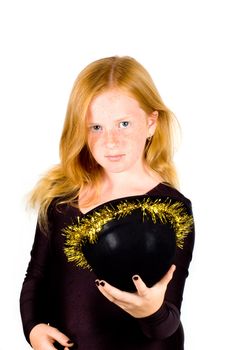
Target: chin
(115, 171)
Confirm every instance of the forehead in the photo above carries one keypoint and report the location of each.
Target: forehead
(113, 103)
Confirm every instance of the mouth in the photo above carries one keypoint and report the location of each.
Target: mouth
(115, 158)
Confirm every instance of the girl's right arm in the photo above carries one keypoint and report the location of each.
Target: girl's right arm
(43, 336)
(33, 301)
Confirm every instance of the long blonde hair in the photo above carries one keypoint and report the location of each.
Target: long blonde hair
(77, 167)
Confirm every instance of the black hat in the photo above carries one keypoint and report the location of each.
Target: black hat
(129, 236)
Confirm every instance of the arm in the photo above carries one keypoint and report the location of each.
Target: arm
(33, 294)
(33, 299)
(158, 308)
(165, 321)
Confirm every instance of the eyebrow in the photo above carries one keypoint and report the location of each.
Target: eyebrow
(116, 120)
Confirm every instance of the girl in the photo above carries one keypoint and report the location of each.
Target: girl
(116, 142)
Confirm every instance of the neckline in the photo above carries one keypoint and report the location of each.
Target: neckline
(107, 202)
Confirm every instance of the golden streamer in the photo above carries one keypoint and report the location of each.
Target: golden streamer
(88, 227)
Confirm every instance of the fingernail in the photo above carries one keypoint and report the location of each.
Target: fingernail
(97, 283)
(102, 283)
(69, 342)
(135, 278)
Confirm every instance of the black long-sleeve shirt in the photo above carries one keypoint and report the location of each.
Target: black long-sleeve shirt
(65, 296)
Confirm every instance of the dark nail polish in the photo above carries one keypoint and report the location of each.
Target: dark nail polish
(102, 283)
(69, 342)
(135, 278)
(97, 283)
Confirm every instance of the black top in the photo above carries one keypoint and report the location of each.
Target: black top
(65, 296)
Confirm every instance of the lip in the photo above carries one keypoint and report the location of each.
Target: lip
(115, 157)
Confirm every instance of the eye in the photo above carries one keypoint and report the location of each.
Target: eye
(124, 124)
(95, 128)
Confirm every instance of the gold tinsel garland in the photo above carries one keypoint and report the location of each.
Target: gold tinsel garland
(88, 227)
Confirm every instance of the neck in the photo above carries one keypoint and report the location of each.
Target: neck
(116, 185)
(126, 179)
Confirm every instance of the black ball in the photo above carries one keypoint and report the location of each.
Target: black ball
(132, 245)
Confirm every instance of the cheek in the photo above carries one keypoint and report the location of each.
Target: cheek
(136, 144)
(138, 136)
(93, 143)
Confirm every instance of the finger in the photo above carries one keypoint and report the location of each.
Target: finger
(140, 285)
(106, 294)
(114, 294)
(60, 337)
(123, 303)
(168, 276)
(110, 290)
(50, 347)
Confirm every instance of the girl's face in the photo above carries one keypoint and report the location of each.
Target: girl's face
(117, 131)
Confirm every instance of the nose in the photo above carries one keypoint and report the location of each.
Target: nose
(111, 139)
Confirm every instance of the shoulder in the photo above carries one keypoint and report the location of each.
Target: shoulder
(59, 210)
(166, 190)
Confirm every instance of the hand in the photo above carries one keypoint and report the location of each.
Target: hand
(142, 303)
(42, 337)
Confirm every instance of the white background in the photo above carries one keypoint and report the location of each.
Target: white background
(187, 48)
